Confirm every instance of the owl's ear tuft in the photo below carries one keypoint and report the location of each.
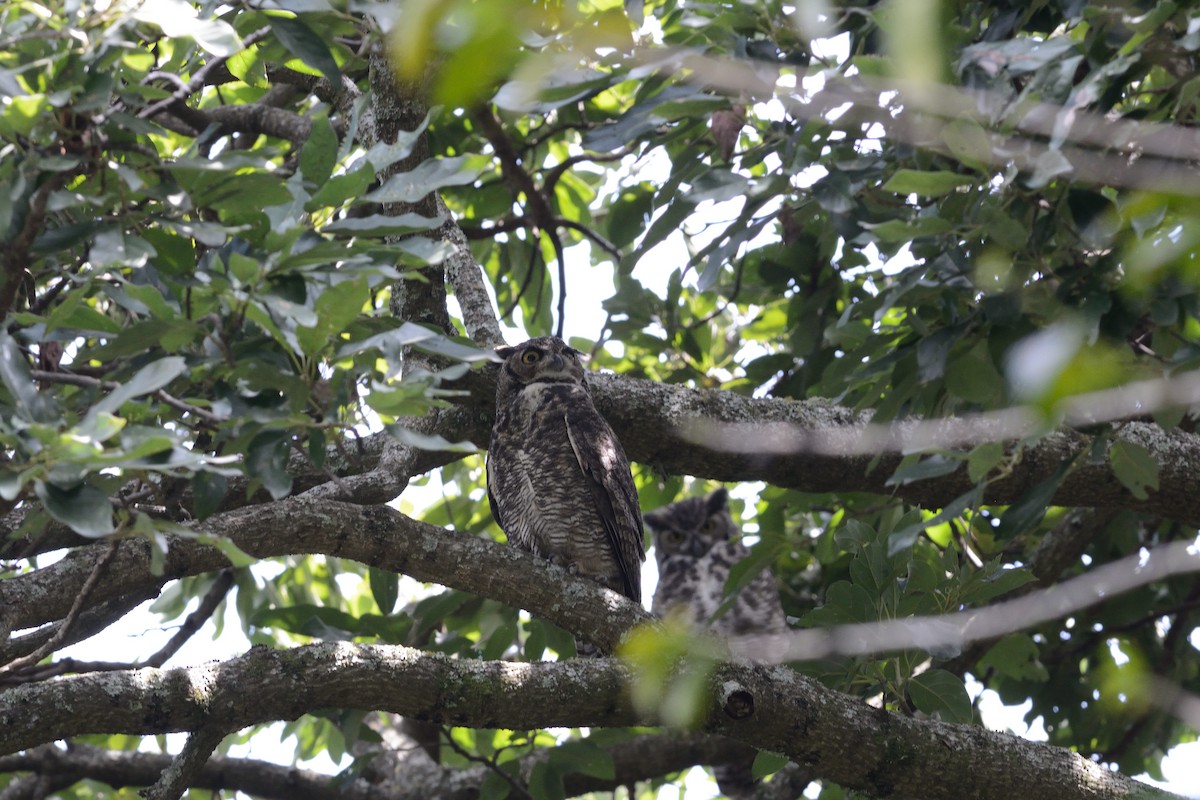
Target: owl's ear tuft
(505, 350)
(654, 519)
(717, 501)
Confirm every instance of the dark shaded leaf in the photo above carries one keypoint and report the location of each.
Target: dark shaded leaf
(938, 693)
(83, 508)
(306, 45)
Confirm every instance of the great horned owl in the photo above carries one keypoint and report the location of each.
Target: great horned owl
(695, 544)
(558, 480)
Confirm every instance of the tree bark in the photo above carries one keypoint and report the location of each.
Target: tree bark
(838, 737)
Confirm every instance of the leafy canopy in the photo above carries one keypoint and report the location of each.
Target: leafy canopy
(914, 209)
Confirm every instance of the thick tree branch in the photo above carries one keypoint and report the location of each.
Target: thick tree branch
(638, 759)
(664, 427)
(376, 535)
(839, 737)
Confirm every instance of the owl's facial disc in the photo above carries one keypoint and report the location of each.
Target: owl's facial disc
(542, 366)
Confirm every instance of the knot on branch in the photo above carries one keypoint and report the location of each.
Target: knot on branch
(736, 700)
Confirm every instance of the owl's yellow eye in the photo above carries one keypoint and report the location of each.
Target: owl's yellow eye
(709, 525)
(531, 357)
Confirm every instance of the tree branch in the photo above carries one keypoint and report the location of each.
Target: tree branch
(104, 557)
(375, 535)
(638, 759)
(841, 738)
(185, 767)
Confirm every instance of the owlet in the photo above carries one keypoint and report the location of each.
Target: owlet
(695, 544)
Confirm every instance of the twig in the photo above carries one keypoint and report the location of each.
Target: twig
(555, 175)
(947, 631)
(95, 383)
(212, 599)
(516, 785)
(49, 646)
(506, 225)
(16, 256)
(181, 94)
(556, 243)
(516, 301)
(538, 211)
(600, 241)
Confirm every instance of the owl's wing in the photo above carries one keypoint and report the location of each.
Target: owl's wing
(606, 467)
(492, 504)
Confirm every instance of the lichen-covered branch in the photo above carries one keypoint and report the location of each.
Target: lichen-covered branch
(376, 535)
(839, 737)
(639, 759)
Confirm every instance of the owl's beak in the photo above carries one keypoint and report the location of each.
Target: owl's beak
(558, 366)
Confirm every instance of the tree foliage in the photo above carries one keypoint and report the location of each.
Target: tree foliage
(925, 272)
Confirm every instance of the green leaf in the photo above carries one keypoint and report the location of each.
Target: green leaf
(1029, 510)
(974, 377)
(927, 184)
(177, 18)
(895, 230)
(429, 442)
(149, 378)
(306, 45)
(266, 462)
(1017, 656)
(983, 459)
(494, 787)
(546, 783)
(382, 225)
(237, 557)
(1134, 467)
(998, 585)
(340, 188)
(767, 763)
(383, 154)
(208, 492)
(249, 67)
(319, 155)
(935, 466)
(939, 693)
(244, 268)
(385, 588)
(83, 508)
(903, 539)
(585, 758)
(968, 141)
(322, 622)
(15, 374)
(428, 176)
